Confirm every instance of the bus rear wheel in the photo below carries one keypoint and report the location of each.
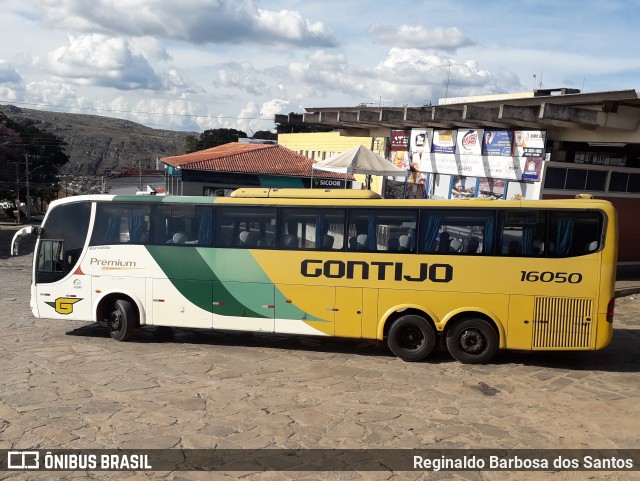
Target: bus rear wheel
(473, 341)
(411, 338)
(122, 320)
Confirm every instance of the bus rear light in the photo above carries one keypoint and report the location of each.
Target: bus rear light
(610, 308)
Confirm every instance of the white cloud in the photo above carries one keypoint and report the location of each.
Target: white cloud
(52, 93)
(198, 21)
(404, 76)
(177, 114)
(102, 61)
(274, 106)
(240, 75)
(421, 37)
(246, 118)
(411, 76)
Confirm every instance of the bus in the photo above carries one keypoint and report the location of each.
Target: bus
(472, 276)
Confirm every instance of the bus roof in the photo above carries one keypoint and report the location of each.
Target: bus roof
(348, 196)
(305, 193)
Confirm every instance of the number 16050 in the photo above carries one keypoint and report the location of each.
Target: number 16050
(548, 276)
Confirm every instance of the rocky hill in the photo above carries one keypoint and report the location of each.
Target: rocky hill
(98, 144)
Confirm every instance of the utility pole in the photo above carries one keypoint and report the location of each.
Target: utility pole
(18, 192)
(26, 156)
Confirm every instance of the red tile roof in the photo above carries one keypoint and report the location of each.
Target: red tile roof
(244, 158)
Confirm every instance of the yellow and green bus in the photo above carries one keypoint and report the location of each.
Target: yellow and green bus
(472, 275)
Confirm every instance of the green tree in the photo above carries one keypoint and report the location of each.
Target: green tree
(191, 143)
(26, 146)
(11, 154)
(265, 135)
(213, 138)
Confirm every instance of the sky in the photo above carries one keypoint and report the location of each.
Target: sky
(205, 64)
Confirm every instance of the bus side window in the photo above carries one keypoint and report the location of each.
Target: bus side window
(182, 224)
(574, 233)
(522, 233)
(118, 223)
(459, 231)
(382, 230)
(245, 227)
(311, 228)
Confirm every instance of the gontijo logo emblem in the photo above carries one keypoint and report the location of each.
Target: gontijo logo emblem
(64, 305)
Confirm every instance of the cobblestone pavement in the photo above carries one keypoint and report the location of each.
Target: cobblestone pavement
(68, 385)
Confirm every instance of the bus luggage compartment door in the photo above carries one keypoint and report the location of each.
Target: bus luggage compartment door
(520, 322)
(349, 307)
(181, 303)
(305, 309)
(243, 306)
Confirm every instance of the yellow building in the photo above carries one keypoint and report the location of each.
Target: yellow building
(320, 146)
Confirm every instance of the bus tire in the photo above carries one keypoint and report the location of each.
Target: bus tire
(411, 338)
(122, 320)
(472, 341)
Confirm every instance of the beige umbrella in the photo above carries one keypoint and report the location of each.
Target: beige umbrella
(360, 160)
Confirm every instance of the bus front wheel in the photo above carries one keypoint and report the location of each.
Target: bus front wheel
(411, 338)
(122, 320)
(473, 341)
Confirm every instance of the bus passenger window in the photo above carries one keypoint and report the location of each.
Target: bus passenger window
(245, 227)
(315, 228)
(118, 223)
(382, 230)
(523, 233)
(459, 231)
(182, 224)
(574, 233)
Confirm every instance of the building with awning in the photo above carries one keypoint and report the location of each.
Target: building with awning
(219, 170)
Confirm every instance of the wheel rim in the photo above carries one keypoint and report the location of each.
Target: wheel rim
(411, 338)
(115, 320)
(472, 341)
